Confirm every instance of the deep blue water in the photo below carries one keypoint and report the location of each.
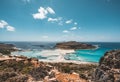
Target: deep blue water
(92, 55)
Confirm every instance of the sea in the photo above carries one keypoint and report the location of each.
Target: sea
(34, 49)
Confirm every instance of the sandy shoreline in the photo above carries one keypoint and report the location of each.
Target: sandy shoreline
(5, 57)
(56, 56)
(56, 52)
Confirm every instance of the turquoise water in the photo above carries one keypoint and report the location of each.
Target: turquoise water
(87, 55)
(92, 55)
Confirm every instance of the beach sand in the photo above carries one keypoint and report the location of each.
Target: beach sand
(52, 56)
(59, 53)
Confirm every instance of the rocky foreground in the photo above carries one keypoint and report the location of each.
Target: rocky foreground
(23, 69)
(74, 45)
(109, 68)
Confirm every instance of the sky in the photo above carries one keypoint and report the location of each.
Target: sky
(60, 20)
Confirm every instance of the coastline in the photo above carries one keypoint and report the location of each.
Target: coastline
(59, 54)
(55, 55)
(21, 57)
(34, 70)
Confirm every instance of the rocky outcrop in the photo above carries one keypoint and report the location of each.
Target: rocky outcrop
(109, 68)
(74, 45)
(6, 48)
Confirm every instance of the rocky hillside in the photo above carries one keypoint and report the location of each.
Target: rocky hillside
(6, 48)
(109, 68)
(23, 69)
(74, 45)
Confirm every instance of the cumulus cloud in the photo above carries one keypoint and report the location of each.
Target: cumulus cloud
(54, 19)
(57, 20)
(50, 10)
(69, 21)
(10, 28)
(47, 12)
(4, 24)
(73, 28)
(43, 12)
(65, 31)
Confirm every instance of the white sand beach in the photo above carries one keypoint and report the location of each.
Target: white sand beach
(56, 55)
(59, 53)
(56, 52)
(53, 56)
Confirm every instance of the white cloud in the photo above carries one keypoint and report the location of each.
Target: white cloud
(3, 24)
(65, 31)
(45, 37)
(54, 19)
(69, 21)
(42, 13)
(75, 23)
(10, 28)
(57, 20)
(50, 10)
(73, 28)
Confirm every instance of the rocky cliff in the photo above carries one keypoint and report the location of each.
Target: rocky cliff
(109, 68)
(74, 45)
(6, 48)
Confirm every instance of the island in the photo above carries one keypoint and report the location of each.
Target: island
(74, 45)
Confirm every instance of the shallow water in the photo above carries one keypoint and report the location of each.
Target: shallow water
(35, 49)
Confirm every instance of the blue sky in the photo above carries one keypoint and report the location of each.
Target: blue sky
(60, 20)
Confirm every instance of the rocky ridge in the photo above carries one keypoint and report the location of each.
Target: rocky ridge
(7, 48)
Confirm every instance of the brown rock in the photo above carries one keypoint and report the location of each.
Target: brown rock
(109, 68)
